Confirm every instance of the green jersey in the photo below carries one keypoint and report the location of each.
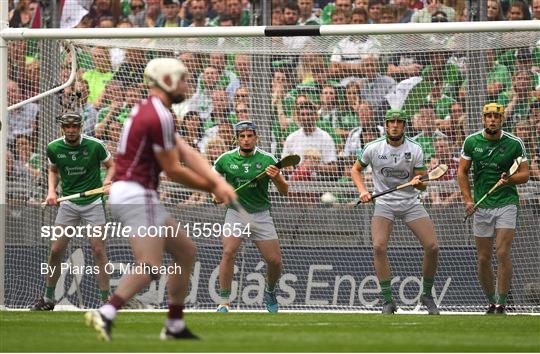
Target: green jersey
(79, 166)
(489, 160)
(238, 169)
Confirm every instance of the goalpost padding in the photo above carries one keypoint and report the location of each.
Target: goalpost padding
(326, 248)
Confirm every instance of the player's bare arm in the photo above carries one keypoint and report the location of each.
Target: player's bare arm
(168, 160)
(221, 189)
(416, 182)
(358, 179)
(274, 173)
(53, 179)
(464, 184)
(520, 177)
(109, 165)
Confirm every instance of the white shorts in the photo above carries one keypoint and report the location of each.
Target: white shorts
(407, 212)
(71, 214)
(486, 221)
(135, 206)
(264, 230)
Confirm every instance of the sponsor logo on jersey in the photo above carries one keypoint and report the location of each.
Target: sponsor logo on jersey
(382, 157)
(390, 172)
(233, 167)
(485, 164)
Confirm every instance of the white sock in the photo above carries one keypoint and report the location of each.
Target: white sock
(175, 326)
(108, 311)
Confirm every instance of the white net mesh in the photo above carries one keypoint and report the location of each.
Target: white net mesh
(442, 81)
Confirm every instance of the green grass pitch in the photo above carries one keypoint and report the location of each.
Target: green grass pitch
(290, 332)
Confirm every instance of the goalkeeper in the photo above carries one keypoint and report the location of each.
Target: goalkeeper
(491, 152)
(239, 166)
(76, 158)
(394, 159)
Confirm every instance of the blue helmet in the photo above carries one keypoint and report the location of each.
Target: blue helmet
(244, 125)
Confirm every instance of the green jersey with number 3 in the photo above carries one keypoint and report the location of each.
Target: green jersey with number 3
(489, 160)
(79, 166)
(238, 169)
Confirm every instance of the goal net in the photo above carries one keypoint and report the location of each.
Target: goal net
(343, 85)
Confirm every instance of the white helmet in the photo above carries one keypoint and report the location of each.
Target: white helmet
(164, 73)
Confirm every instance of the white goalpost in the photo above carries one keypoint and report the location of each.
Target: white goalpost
(441, 74)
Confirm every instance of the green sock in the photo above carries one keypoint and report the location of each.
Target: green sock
(491, 298)
(427, 285)
(501, 299)
(386, 290)
(224, 295)
(104, 294)
(49, 292)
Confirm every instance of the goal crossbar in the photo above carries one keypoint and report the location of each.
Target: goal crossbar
(270, 31)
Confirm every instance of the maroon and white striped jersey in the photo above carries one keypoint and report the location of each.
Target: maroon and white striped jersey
(150, 128)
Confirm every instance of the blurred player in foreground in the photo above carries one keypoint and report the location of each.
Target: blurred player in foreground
(147, 146)
(394, 158)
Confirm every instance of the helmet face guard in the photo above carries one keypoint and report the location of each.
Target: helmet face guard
(395, 114)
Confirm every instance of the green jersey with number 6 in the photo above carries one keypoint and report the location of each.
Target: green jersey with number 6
(489, 160)
(238, 169)
(79, 166)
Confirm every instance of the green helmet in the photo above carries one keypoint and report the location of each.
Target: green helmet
(395, 113)
(70, 118)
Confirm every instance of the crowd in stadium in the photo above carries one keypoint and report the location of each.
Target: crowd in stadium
(340, 99)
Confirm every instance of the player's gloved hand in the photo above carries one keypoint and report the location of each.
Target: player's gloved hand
(272, 171)
(51, 199)
(469, 208)
(223, 192)
(365, 197)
